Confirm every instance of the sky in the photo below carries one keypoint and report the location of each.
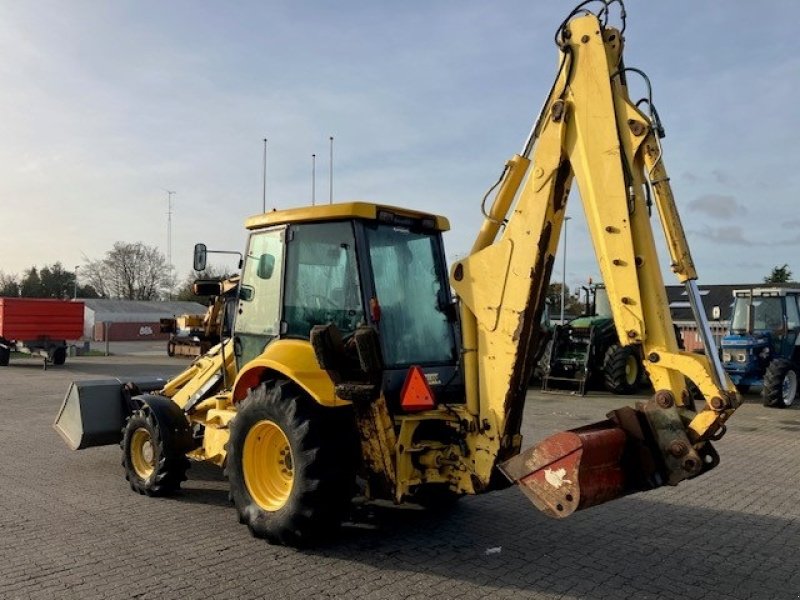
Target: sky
(108, 105)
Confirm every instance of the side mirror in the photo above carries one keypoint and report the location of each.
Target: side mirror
(200, 257)
(266, 265)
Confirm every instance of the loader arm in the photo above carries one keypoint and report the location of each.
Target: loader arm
(589, 130)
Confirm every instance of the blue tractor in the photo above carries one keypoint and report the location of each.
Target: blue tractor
(762, 346)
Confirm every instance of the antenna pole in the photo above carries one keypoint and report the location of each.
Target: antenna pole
(330, 179)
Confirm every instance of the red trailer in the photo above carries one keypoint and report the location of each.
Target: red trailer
(39, 326)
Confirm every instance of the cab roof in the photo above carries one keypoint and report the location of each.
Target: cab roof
(772, 291)
(344, 210)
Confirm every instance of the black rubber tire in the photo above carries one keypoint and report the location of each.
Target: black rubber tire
(60, 355)
(774, 379)
(615, 363)
(170, 464)
(323, 464)
(5, 357)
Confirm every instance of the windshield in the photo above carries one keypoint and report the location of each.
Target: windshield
(411, 295)
(767, 313)
(602, 307)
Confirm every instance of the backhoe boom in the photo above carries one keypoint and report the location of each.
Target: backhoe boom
(589, 131)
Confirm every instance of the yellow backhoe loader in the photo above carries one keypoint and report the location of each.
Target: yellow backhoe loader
(348, 360)
(196, 334)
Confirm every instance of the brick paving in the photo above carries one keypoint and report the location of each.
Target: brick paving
(71, 528)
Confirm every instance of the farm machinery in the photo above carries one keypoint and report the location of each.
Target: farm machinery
(350, 370)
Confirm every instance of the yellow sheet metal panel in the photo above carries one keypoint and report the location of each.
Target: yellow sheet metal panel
(332, 212)
(295, 360)
(201, 375)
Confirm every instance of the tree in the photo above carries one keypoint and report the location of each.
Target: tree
(31, 286)
(56, 282)
(186, 293)
(9, 286)
(87, 291)
(131, 271)
(572, 303)
(779, 275)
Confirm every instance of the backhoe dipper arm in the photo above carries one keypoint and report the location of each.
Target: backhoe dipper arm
(590, 130)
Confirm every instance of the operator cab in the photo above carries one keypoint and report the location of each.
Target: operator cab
(353, 265)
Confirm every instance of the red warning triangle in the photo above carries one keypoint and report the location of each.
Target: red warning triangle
(416, 394)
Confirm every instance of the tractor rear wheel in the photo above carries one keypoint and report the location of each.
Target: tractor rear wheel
(290, 470)
(622, 370)
(153, 464)
(780, 383)
(5, 356)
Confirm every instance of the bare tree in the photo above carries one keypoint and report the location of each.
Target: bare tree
(185, 291)
(132, 271)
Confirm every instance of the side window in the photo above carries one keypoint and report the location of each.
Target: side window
(792, 313)
(410, 291)
(260, 290)
(322, 283)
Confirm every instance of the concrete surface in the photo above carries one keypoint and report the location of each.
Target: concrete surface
(71, 528)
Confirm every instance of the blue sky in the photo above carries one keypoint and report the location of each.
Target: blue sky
(106, 105)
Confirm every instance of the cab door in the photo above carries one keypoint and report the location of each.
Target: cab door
(258, 318)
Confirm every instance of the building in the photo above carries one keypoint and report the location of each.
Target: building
(131, 320)
(718, 305)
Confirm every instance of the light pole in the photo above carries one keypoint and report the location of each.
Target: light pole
(313, 180)
(564, 270)
(264, 189)
(330, 199)
(75, 291)
(169, 238)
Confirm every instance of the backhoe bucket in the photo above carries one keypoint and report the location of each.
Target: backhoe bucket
(635, 450)
(93, 412)
(571, 470)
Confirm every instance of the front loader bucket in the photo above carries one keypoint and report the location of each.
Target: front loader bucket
(93, 412)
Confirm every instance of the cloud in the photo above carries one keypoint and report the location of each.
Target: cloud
(728, 234)
(718, 206)
(722, 177)
(691, 177)
(791, 224)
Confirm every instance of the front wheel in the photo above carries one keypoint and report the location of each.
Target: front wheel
(290, 471)
(153, 462)
(780, 383)
(622, 370)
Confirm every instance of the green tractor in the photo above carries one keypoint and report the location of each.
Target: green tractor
(586, 351)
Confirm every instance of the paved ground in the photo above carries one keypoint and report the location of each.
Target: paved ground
(71, 528)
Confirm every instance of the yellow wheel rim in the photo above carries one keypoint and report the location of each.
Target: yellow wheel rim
(268, 466)
(143, 456)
